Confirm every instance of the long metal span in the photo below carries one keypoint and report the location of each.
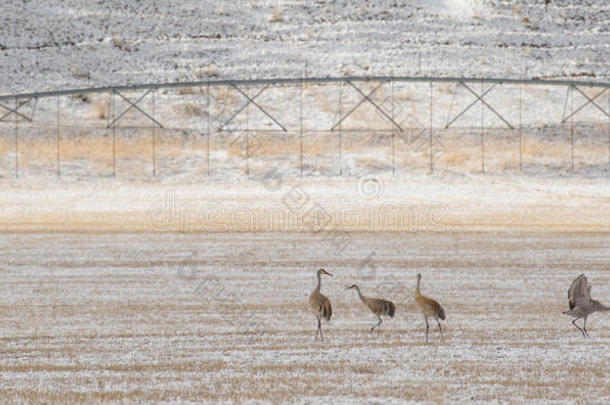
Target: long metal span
(296, 81)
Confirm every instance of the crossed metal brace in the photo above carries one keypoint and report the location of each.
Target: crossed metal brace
(590, 100)
(251, 101)
(133, 104)
(366, 97)
(479, 97)
(14, 110)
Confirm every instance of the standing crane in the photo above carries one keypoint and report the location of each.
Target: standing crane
(320, 304)
(377, 306)
(581, 303)
(430, 308)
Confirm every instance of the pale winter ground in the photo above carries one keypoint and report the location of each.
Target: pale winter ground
(191, 284)
(408, 203)
(79, 43)
(223, 317)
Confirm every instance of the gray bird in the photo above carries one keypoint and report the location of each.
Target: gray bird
(581, 303)
(320, 304)
(377, 306)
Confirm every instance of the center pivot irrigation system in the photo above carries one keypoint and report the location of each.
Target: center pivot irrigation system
(425, 106)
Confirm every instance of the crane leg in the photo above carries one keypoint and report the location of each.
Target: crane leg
(578, 327)
(440, 329)
(584, 327)
(320, 329)
(317, 331)
(427, 327)
(378, 325)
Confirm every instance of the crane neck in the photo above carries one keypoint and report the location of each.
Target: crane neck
(319, 282)
(359, 293)
(417, 287)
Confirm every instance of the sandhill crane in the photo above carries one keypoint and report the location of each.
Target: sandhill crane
(320, 304)
(430, 308)
(377, 306)
(581, 303)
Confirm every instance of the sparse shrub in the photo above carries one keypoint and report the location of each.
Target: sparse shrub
(193, 110)
(445, 88)
(81, 97)
(184, 91)
(120, 43)
(408, 95)
(207, 71)
(80, 73)
(277, 15)
(101, 110)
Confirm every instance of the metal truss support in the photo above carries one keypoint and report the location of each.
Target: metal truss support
(295, 81)
(154, 141)
(393, 133)
(16, 140)
(482, 135)
(113, 109)
(479, 97)
(15, 111)
(301, 126)
(451, 121)
(341, 131)
(430, 135)
(366, 97)
(572, 130)
(590, 100)
(520, 129)
(208, 126)
(133, 105)
(250, 100)
(57, 139)
(247, 135)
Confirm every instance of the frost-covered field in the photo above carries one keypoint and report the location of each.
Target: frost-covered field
(175, 264)
(79, 43)
(208, 317)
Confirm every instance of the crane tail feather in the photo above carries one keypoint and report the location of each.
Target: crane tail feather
(391, 310)
(327, 310)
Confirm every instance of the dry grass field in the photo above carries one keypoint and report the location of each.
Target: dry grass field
(160, 245)
(177, 317)
(191, 285)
